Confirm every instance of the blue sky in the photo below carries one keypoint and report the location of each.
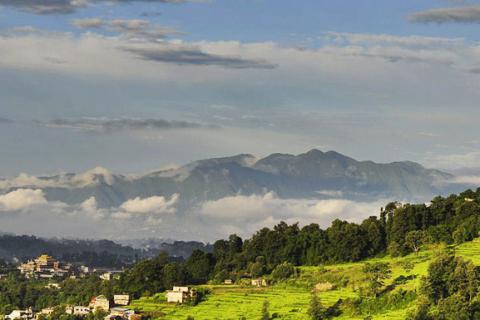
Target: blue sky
(260, 20)
(379, 80)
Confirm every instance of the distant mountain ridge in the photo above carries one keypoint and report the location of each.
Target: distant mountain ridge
(314, 174)
(94, 253)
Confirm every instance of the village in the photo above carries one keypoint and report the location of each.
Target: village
(47, 268)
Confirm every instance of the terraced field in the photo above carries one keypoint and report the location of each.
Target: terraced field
(290, 300)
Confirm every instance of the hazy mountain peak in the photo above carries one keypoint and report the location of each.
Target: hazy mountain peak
(305, 175)
(94, 176)
(246, 160)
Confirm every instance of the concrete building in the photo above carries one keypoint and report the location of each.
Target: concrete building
(260, 282)
(109, 275)
(100, 302)
(81, 311)
(181, 295)
(121, 299)
(20, 314)
(123, 313)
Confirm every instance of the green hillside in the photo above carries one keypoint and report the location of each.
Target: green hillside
(290, 299)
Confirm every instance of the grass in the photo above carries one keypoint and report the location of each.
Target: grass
(290, 299)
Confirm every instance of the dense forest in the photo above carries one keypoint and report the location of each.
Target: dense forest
(398, 230)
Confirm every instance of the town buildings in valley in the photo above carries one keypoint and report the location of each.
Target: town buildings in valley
(45, 267)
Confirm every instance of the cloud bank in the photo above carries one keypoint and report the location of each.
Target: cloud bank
(28, 211)
(102, 125)
(22, 199)
(466, 14)
(66, 6)
(156, 204)
(245, 214)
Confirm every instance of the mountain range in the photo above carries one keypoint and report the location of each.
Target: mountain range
(313, 175)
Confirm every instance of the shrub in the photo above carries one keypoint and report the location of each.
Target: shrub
(283, 271)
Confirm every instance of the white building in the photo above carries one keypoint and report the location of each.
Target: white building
(180, 295)
(20, 314)
(100, 302)
(122, 312)
(121, 299)
(109, 275)
(81, 311)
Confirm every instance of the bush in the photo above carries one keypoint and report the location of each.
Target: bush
(283, 271)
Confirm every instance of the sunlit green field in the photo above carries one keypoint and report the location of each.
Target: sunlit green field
(290, 300)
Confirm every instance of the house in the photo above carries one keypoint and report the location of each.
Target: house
(44, 312)
(260, 282)
(77, 310)
(122, 313)
(121, 299)
(109, 275)
(100, 302)
(181, 295)
(81, 311)
(20, 314)
(27, 268)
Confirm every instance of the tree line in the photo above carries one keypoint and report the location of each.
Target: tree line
(399, 229)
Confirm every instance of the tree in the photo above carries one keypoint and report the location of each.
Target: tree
(421, 312)
(316, 310)
(199, 266)
(415, 239)
(258, 268)
(375, 233)
(460, 235)
(376, 274)
(448, 275)
(265, 312)
(395, 249)
(283, 271)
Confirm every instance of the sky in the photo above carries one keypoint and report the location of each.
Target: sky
(136, 86)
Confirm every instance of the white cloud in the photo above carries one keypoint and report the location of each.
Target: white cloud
(453, 161)
(92, 53)
(21, 199)
(470, 180)
(213, 220)
(88, 23)
(91, 177)
(386, 39)
(155, 204)
(255, 211)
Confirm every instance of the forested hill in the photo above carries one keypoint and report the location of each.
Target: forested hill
(98, 253)
(400, 229)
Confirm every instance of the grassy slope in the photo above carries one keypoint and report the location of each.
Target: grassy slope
(290, 300)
